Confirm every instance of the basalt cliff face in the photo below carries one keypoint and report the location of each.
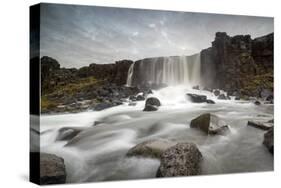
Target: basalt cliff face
(239, 64)
(52, 75)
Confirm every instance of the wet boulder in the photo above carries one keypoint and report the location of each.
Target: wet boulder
(260, 125)
(217, 92)
(140, 98)
(257, 103)
(209, 101)
(197, 98)
(196, 87)
(222, 97)
(210, 124)
(67, 133)
(149, 108)
(151, 148)
(52, 169)
(268, 140)
(183, 159)
(152, 104)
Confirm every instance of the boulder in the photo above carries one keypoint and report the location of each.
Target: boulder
(268, 140)
(260, 125)
(257, 103)
(152, 148)
(102, 106)
(52, 169)
(196, 87)
(217, 92)
(183, 159)
(140, 98)
(67, 133)
(222, 97)
(209, 101)
(210, 124)
(153, 101)
(150, 108)
(197, 98)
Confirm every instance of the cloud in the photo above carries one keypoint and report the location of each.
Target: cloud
(79, 35)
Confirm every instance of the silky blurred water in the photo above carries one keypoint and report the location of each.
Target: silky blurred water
(98, 152)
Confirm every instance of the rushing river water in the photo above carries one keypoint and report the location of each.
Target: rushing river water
(98, 152)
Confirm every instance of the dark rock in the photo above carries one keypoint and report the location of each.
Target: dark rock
(197, 98)
(260, 125)
(153, 101)
(268, 140)
(150, 108)
(238, 63)
(152, 148)
(222, 97)
(209, 101)
(140, 98)
(257, 103)
(237, 98)
(103, 106)
(217, 92)
(183, 159)
(52, 169)
(67, 133)
(196, 87)
(210, 124)
(133, 98)
(269, 98)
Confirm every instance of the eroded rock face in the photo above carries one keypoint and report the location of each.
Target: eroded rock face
(268, 140)
(152, 148)
(183, 159)
(239, 63)
(52, 169)
(210, 124)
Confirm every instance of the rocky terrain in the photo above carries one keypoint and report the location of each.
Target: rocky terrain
(239, 65)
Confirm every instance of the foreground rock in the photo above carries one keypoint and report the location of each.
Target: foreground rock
(52, 169)
(152, 148)
(197, 98)
(268, 140)
(210, 124)
(152, 104)
(67, 133)
(183, 159)
(260, 125)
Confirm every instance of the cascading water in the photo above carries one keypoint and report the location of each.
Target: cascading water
(98, 152)
(174, 70)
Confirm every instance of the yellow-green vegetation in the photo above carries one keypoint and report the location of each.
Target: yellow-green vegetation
(72, 88)
(252, 83)
(47, 104)
(67, 90)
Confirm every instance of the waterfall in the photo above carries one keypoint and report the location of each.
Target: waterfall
(174, 70)
(130, 74)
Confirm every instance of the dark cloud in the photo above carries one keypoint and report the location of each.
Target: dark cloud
(80, 35)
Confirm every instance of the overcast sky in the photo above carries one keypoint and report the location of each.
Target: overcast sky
(79, 35)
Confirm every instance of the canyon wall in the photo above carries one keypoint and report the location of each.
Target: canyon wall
(238, 64)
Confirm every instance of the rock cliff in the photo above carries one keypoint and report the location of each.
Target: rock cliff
(239, 64)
